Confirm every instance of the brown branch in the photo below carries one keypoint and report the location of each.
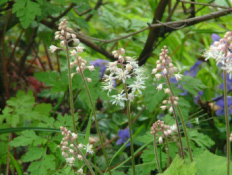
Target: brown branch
(154, 33)
(97, 6)
(204, 4)
(28, 48)
(13, 51)
(48, 57)
(64, 13)
(188, 22)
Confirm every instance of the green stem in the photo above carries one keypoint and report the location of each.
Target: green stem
(130, 129)
(70, 86)
(181, 119)
(84, 158)
(156, 155)
(227, 124)
(167, 149)
(95, 118)
(177, 122)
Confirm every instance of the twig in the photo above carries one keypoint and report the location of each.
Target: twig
(48, 57)
(204, 4)
(13, 51)
(97, 6)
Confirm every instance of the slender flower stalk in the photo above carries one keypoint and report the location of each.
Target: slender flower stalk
(221, 51)
(130, 130)
(164, 64)
(95, 118)
(72, 152)
(182, 121)
(64, 35)
(167, 149)
(167, 131)
(227, 124)
(70, 86)
(156, 155)
(122, 70)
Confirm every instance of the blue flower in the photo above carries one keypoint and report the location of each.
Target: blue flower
(123, 135)
(192, 72)
(215, 37)
(220, 103)
(100, 63)
(228, 84)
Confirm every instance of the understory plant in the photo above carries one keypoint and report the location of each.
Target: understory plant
(156, 120)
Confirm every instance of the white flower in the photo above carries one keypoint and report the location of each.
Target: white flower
(91, 68)
(89, 148)
(122, 75)
(173, 127)
(80, 171)
(178, 76)
(158, 76)
(160, 140)
(79, 49)
(73, 52)
(53, 48)
(137, 85)
(159, 87)
(119, 99)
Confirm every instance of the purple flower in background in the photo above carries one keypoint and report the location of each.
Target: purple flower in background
(100, 63)
(229, 82)
(123, 135)
(192, 72)
(215, 37)
(221, 105)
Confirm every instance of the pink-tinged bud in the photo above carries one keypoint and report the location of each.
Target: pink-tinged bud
(128, 67)
(163, 107)
(72, 64)
(170, 109)
(91, 68)
(73, 36)
(165, 71)
(160, 140)
(79, 49)
(158, 76)
(68, 35)
(76, 41)
(166, 91)
(128, 58)
(121, 51)
(80, 157)
(74, 136)
(72, 75)
(89, 80)
(57, 37)
(154, 71)
(73, 52)
(165, 101)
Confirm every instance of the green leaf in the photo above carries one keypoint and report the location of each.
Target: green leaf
(46, 163)
(3, 1)
(192, 85)
(27, 137)
(152, 97)
(203, 141)
(211, 164)
(34, 153)
(26, 11)
(178, 167)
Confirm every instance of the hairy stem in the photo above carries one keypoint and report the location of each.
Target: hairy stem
(95, 118)
(130, 129)
(156, 155)
(70, 86)
(182, 121)
(227, 123)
